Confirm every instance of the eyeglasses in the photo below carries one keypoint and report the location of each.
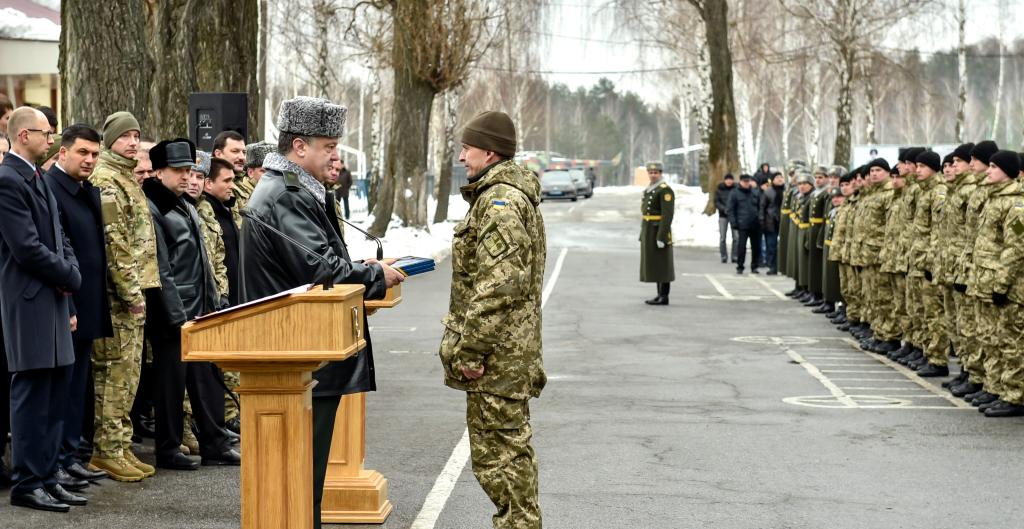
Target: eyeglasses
(47, 133)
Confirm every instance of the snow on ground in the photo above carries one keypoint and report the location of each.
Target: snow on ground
(690, 226)
(399, 241)
(17, 25)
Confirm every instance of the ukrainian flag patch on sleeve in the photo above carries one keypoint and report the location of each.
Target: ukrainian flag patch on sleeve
(498, 204)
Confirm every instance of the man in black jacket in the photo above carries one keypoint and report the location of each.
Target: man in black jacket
(186, 291)
(743, 206)
(38, 272)
(291, 198)
(769, 214)
(82, 220)
(722, 204)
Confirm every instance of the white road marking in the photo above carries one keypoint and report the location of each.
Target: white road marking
(445, 483)
(379, 329)
(765, 284)
(911, 375)
(718, 286)
(838, 393)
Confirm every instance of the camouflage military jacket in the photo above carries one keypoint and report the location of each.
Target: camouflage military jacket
(904, 236)
(243, 189)
(213, 238)
(128, 229)
(870, 224)
(1012, 256)
(972, 219)
(839, 224)
(494, 316)
(997, 231)
(930, 195)
(951, 229)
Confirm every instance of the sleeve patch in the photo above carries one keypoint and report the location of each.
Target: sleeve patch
(109, 210)
(668, 197)
(1017, 227)
(495, 243)
(499, 204)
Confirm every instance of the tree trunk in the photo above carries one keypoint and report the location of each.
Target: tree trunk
(869, 111)
(225, 36)
(961, 61)
(376, 158)
(1002, 70)
(722, 155)
(844, 114)
(102, 72)
(172, 46)
(444, 179)
(407, 146)
(261, 80)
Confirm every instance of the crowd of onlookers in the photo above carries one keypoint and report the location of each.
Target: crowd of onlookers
(750, 212)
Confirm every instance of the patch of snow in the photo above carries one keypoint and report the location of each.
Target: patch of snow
(435, 241)
(17, 25)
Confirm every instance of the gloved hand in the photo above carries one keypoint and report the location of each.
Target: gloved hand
(928, 275)
(660, 244)
(959, 288)
(999, 299)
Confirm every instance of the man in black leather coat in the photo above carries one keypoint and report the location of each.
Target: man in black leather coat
(292, 199)
(187, 290)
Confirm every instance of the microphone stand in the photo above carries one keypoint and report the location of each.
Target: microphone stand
(380, 247)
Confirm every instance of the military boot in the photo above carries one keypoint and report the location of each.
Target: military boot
(119, 469)
(1007, 409)
(147, 470)
(824, 309)
(959, 379)
(984, 398)
(983, 407)
(932, 370)
(904, 350)
(965, 388)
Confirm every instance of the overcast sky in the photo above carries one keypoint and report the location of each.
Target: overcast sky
(581, 39)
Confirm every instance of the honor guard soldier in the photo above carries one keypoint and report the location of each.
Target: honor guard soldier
(656, 264)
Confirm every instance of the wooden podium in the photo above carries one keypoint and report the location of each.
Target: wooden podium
(353, 494)
(276, 344)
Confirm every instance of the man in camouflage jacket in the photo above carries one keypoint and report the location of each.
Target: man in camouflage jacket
(491, 347)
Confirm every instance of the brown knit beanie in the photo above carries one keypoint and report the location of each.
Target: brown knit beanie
(491, 131)
(117, 124)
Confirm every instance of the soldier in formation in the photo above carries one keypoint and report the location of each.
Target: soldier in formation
(920, 262)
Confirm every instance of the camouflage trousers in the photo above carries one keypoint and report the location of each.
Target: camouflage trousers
(933, 336)
(849, 285)
(1011, 347)
(230, 406)
(879, 289)
(901, 303)
(914, 326)
(503, 460)
(990, 338)
(949, 317)
(116, 368)
(967, 333)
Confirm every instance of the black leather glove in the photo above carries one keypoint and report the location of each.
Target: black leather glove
(999, 299)
(959, 288)
(928, 275)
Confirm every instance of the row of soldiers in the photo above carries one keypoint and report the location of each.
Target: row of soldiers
(920, 262)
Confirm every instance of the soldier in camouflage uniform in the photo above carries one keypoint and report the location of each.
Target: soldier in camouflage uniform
(491, 347)
(842, 232)
(929, 313)
(953, 231)
(830, 267)
(977, 318)
(997, 257)
(245, 184)
(876, 283)
(898, 239)
(1008, 291)
(131, 254)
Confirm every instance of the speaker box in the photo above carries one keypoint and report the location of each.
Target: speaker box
(210, 113)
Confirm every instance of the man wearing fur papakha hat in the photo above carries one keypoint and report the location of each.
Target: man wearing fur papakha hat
(291, 198)
(491, 347)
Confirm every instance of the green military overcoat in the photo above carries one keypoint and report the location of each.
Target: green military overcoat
(656, 264)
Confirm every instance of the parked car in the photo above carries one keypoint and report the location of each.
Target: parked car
(557, 184)
(583, 185)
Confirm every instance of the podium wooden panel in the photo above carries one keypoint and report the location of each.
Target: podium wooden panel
(353, 494)
(275, 345)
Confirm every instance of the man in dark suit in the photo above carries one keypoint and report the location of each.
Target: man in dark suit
(81, 218)
(38, 271)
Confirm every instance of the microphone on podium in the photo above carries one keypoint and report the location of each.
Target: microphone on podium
(380, 247)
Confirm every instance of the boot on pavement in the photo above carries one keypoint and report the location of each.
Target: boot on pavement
(932, 370)
(147, 470)
(118, 469)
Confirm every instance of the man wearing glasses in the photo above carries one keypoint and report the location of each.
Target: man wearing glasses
(38, 272)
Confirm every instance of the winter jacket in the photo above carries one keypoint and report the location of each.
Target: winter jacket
(722, 199)
(743, 207)
(769, 210)
(494, 315)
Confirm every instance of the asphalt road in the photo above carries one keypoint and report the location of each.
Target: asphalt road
(730, 408)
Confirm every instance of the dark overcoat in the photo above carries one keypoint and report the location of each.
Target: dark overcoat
(37, 267)
(271, 264)
(657, 264)
(82, 219)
